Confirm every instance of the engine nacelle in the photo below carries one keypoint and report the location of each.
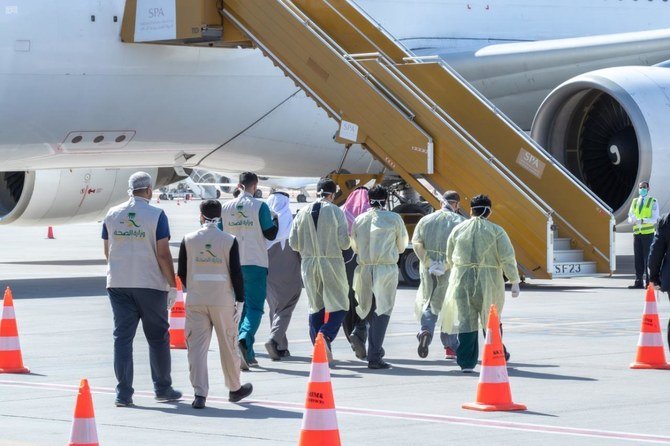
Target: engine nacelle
(611, 129)
(56, 197)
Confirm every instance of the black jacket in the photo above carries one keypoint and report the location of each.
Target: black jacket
(659, 257)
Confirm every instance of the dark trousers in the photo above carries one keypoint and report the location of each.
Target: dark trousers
(329, 329)
(129, 306)
(377, 325)
(467, 352)
(352, 322)
(642, 246)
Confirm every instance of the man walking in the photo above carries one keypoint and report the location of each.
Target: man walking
(659, 259)
(643, 214)
(319, 235)
(378, 237)
(209, 266)
(250, 221)
(430, 245)
(139, 274)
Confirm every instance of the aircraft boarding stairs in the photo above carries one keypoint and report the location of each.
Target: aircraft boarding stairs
(424, 122)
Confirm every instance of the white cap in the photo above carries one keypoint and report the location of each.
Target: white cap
(139, 180)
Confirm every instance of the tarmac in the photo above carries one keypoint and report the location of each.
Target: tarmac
(571, 342)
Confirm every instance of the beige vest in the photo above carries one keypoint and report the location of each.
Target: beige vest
(240, 218)
(208, 271)
(132, 263)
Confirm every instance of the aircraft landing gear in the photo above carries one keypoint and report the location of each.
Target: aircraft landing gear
(302, 198)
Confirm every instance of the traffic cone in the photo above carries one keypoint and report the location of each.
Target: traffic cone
(650, 350)
(84, 432)
(178, 319)
(50, 233)
(10, 350)
(319, 423)
(493, 390)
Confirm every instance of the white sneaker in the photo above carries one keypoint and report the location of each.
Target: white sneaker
(468, 370)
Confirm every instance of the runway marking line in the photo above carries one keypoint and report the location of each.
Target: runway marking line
(411, 416)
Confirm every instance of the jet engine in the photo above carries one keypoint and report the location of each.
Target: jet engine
(56, 197)
(611, 129)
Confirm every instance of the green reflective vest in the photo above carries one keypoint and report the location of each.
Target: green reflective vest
(641, 208)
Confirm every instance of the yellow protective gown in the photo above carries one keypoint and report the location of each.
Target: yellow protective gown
(378, 237)
(478, 253)
(322, 268)
(430, 246)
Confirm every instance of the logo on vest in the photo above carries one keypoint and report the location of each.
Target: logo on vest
(131, 223)
(240, 219)
(203, 257)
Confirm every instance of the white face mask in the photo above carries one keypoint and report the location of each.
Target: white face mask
(486, 208)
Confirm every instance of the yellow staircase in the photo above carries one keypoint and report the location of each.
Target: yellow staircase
(425, 123)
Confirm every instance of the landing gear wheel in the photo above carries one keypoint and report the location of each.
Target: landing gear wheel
(258, 193)
(409, 268)
(302, 198)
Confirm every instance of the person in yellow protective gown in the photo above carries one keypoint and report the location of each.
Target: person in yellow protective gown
(430, 245)
(319, 234)
(478, 254)
(378, 237)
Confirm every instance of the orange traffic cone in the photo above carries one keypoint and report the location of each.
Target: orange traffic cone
(178, 319)
(84, 432)
(493, 390)
(650, 352)
(319, 423)
(10, 350)
(50, 233)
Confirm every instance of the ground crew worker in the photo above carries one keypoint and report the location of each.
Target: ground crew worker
(478, 254)
(356, 204)
(319, 235)
(643, 214)
(378, 237)
(139, 274)
(284, 281)
(250, 221)
(659, 259)
(430, 245)
(209, 266)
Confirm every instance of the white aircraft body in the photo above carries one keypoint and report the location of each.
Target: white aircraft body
(75, 99)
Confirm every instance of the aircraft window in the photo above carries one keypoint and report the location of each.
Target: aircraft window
(98, 139)
(77, 139)
(120, 138)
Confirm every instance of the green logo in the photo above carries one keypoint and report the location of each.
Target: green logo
(240, 210)
(131, 220)
(208, 248)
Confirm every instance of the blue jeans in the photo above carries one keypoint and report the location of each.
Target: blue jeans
(428, 321)
(129, 306)
(330, 328)
(255, 288)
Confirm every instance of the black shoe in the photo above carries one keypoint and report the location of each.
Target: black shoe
(284, 353)
(358, 346)
(243, 355)
(638, 285)
(382, 353)
(122, 402)
(253, 362)
(198, 402)
(273, 351)
(424, 340)
(507, 356)
(168, 395)
(240, 393)
(379, 365)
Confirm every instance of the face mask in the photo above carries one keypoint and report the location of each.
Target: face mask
(643, 191)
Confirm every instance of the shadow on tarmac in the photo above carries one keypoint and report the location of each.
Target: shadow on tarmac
(251, 411)
(539, 375)
(56, 287)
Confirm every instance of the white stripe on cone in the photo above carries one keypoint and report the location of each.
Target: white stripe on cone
(83, 431)
(177, 323)
(320, 372)
(319, 420)
(493, 374)
(489, 338)
(8, 313)
(650, 308)
(9, 343)
(650, 340)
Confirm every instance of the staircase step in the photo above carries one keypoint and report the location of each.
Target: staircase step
(562, 244)
(568, 255)
(574, 269)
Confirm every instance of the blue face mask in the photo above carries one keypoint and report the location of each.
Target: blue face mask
(643, 192)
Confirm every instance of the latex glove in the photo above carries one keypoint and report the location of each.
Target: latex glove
(237, 316)
(172, 297)
(437, 269)
(516, 289)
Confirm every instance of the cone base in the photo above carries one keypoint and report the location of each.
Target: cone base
(493, 407)
(14, 370)
(644, 365)
(320, 438)
(178, 347)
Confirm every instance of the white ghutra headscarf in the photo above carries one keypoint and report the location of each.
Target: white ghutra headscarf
(279, 204)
